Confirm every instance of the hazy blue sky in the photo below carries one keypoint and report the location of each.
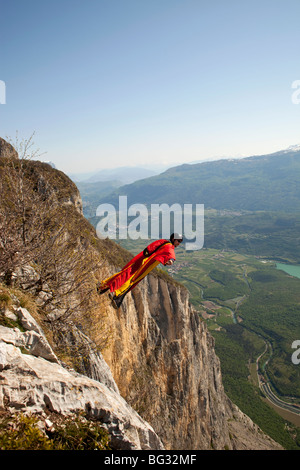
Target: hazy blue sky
(106, 83)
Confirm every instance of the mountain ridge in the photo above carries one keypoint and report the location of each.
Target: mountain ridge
(261, 182)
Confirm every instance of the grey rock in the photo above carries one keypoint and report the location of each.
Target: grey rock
(33, 384)
(33, 342)
(27, 321)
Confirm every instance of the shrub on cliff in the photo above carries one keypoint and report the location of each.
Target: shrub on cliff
(21, 432)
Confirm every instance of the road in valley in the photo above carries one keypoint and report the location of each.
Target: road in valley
(266, 389)
(276, 401)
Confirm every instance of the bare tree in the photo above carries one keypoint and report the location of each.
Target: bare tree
(41, 228)
(21, 212)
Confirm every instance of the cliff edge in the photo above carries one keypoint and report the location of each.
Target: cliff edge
(148, 371)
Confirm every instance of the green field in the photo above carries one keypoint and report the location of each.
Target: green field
(272, 235)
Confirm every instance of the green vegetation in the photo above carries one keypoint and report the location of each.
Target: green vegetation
(226, 286)
(235, 347)
(273, 310)
(21, 432)
(272, 235)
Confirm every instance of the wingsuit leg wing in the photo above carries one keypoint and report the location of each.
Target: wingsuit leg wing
(131, 282)
(115, 281)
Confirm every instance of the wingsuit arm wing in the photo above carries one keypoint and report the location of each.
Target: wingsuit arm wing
(165, 253)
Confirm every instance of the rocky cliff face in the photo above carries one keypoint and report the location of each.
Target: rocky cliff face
(148, 370)
(163, 360)
(35, 382)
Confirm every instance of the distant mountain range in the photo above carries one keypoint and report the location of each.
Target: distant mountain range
(125, 175)
(265, 182)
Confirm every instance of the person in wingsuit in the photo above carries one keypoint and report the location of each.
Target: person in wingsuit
(160, 251)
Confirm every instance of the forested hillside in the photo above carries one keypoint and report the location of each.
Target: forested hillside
(268, 182)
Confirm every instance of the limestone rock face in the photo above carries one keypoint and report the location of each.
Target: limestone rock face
(159, 387)
(32, 383)
(164, 363)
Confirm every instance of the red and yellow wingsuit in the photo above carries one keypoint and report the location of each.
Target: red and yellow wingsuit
(160, 251)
